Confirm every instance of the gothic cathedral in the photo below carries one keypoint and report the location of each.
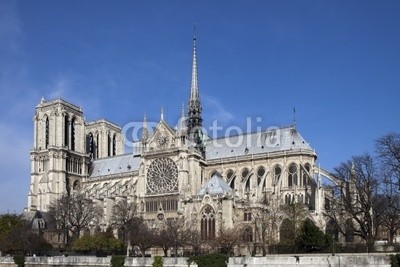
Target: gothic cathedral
(177, 171)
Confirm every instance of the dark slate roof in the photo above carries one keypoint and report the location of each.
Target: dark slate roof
(114, 165)
(269, 141)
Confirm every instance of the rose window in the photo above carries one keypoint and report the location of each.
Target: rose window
(162, 176)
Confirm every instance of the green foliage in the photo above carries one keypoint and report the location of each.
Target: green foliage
(17, 238)
(83, 244)
(19, 260)
(117, 261)
(395, 260)
(311, 238)
(158, 261)
(100, 242)
(209, 260)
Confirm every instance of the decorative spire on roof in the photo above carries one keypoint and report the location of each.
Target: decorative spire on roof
(194, 121)
(145, 132)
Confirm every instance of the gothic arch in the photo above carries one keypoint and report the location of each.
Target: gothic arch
(73, 133)
(261, 171)
(114, 145)
(292, 175)
(46, 131)
(207, 223)
(66, 130)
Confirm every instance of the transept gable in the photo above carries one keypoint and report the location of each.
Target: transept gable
(163, 136)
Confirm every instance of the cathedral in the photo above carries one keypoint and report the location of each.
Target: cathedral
(215, 183)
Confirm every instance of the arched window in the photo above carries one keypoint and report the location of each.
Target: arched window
(66, 131)
(277, 174)
(208, 223)
(114, 145)
(230, 178)
(90, 146)
(260, 175)
(288, 199)
(97, 147)
(292, 176)
(47, 132)
(73, 134)
(108, 145)
(248, 234)
(305, 175)
(76, 186)
(245, 175)
(214, 173)
(300, 198)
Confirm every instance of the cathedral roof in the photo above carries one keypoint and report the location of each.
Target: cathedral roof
(215, 186)
(114, 165)
(275, 140)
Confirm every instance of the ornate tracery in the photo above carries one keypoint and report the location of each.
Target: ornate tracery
(162, 176)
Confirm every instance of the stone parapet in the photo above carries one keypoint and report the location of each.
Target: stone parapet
(307, 260)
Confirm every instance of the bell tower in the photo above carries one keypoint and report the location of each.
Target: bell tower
(58, 158)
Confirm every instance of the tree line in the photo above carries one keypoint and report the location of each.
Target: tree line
(362, 206)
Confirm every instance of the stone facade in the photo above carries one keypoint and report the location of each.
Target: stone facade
(174, 171)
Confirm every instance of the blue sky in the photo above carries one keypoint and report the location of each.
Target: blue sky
(337, 62)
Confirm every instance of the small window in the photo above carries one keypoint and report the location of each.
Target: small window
(260, 175)
(245, 173)
(247, 216)
(229, 175)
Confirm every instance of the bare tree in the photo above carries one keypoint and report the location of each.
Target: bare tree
(122, 215)
(193, 239)
(355, 209)
(227, 239)
(74, 213)
(141, 235)
(388, 150)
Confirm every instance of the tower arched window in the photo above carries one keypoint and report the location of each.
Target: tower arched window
(292, 175)
(108, 145)
(90, 145)
(73, 125)
(66, 131)
(97, 147)
(208, 223)
(47, 132)
(114, 145)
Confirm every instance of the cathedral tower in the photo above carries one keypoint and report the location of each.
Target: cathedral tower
(58, 159)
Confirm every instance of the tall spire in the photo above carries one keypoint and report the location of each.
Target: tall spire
(194, 121)
(194, 88)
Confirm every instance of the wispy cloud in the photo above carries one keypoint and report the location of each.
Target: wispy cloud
(215, 110)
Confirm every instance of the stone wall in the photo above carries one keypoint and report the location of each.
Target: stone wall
(313, 260)
(310, 260)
